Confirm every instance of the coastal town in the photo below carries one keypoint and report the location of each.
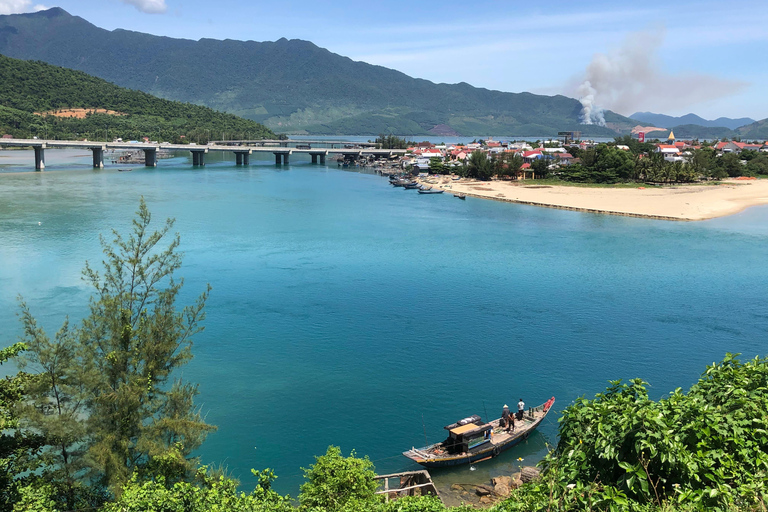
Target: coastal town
(665, 180)
(558, 153)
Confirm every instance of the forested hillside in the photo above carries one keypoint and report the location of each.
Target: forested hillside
(32, 93)
(291, 86)
(758, 130)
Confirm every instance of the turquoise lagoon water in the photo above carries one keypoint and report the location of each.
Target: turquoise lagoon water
(348, 312)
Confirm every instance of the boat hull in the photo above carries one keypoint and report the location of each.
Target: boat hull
(473, 457)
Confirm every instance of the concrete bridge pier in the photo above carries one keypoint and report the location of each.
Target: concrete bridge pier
(39, 158)
(319, 155)
(198, 157)
(98, 157)
(282, 158)
(150, 157)
(242, 157)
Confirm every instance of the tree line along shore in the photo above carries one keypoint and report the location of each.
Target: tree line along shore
(97, 419)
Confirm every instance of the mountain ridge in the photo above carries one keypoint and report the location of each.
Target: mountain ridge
(289, 85)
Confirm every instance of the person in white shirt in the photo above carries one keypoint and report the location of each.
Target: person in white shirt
(520, 409)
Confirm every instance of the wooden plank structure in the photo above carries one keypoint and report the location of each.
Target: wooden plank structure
(409, 484)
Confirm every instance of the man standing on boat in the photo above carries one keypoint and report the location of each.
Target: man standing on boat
(520, 409)
(507, 420)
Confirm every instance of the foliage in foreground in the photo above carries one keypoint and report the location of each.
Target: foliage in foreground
(334, 482)
(707, 449)
(13, 443)
(101, 402)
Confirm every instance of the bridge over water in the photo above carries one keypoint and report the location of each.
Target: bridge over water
(325, 143)
(242, 150)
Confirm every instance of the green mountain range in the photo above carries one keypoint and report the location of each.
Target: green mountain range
(690, 119)
(757, 130)
(39, 99)
(290, 86)
(693, 126)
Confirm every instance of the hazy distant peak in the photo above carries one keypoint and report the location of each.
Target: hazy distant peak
(690, 119)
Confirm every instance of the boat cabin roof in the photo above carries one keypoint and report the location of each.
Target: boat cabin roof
(469, 429)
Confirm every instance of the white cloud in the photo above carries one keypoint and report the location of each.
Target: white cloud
(18, 6)
(148, 6)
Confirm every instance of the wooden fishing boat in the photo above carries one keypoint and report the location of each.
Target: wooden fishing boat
(471, 440)
(411, 186)
(124, 170)
(429, 191)
(463, 197)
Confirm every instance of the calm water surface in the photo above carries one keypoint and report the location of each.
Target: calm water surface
(344, 310)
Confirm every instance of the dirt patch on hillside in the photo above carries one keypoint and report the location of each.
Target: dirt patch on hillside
(647, 129)
(79, 113)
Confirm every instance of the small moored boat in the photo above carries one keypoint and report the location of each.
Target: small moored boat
(411, 186)
(471, 440)
(430, 191)
(461, 196)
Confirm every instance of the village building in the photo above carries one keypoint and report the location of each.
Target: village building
(522, 146)
(431, 153)
(530, 156)
(667, 149)
(737, 147)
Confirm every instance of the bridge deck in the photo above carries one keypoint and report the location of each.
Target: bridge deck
(188, 147)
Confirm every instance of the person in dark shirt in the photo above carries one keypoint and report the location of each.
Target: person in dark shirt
(507, 419)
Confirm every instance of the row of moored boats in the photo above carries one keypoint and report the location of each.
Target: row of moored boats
(409, 184)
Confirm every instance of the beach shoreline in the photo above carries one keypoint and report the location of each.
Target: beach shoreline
(675, 203)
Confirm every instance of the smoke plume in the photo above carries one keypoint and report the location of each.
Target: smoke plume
(631, 78)
(590, 112)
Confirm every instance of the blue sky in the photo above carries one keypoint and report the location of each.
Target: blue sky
(671, 57)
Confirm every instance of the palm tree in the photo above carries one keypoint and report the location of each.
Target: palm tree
(479, 166)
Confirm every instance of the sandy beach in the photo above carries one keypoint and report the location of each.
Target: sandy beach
(680, 202)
